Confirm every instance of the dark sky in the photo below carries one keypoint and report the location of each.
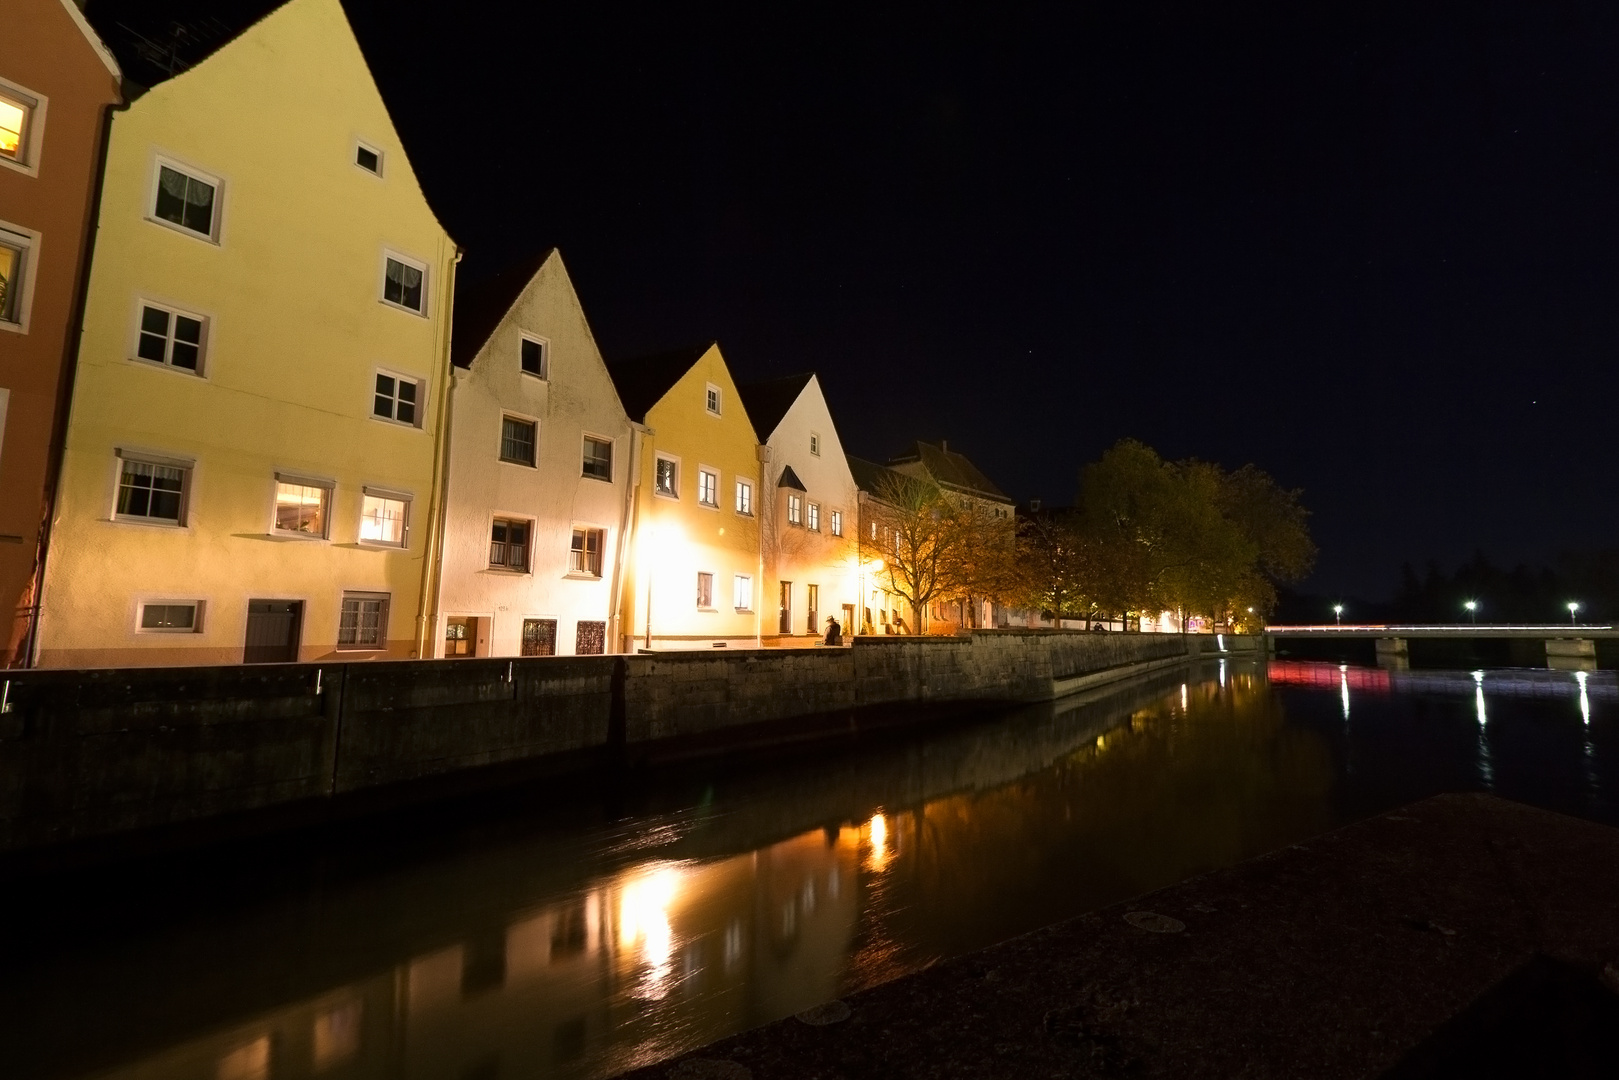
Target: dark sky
(1371, 248)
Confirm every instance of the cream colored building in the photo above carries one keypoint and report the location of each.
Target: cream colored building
(540, 462)
(251, 466)
(811, 544)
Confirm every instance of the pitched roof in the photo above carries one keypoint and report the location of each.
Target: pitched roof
(789, 479)
(869, 476)
(642, 381)
(767, 402)
(482, 301)
(950, 469)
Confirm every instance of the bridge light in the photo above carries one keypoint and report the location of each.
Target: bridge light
(1472, 609)
(1338, 613)
(1573, 610)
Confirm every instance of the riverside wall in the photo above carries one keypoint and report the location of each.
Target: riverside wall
(98, 753)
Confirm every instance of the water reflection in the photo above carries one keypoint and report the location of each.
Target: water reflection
(734, 899)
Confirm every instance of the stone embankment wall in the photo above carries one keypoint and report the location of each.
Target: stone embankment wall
(87, 754)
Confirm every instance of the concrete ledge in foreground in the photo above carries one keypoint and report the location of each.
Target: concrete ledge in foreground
(1460, 936)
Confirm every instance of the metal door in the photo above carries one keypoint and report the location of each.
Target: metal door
(272, 631)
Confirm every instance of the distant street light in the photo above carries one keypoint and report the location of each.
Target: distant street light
(1338, 613)
(1573, 609)
(1472, 609)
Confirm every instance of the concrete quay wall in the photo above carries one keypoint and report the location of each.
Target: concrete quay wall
(95, 753)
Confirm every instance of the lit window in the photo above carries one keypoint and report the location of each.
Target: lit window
(383, 519)
(814, 519)
(815, 444)
(713, 400)
(598, 463)
(708, 487)
(743, 592)
(508, 545)
(148, 491)
(397, 398)
(187, 201)
(667, 479)
(705, 591)
(301, 506)
(744, 497)
(363, 623)
(368, 158)
(16, 113)
(170, 617)
(15, 251)
(531, 355)
(795, 508)
(837, 522)
(585, 556)
(170, 337)
(404, 283)
(517, 440)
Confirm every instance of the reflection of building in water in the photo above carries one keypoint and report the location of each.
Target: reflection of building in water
(661, 957)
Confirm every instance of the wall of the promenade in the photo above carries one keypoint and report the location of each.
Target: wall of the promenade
(91, 753)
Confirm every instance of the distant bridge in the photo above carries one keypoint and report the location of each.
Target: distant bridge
(1568, 645)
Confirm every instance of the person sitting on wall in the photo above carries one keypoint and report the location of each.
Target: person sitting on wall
(834, 632)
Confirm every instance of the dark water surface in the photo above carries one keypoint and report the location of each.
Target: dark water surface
(576, 933)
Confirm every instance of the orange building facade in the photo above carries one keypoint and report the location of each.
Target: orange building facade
(57, 82)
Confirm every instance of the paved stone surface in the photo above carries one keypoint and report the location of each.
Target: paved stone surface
(1333, 958)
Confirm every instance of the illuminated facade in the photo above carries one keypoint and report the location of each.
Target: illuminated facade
(540, 462)
(251, 465)
(56, 82)
(809, 513)
(693, 573)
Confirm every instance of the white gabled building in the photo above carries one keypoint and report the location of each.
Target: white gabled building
(539, 462)
(811, 511)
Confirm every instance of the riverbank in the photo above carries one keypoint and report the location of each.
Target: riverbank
(89, 759)
(1462, 935)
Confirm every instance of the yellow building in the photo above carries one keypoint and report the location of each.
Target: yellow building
(251, 463)
(694, 571)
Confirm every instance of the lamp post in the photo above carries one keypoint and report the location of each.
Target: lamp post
(1472, 609)
(1573, 610)
(1338, 613)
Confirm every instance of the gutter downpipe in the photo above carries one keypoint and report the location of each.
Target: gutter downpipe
(628, 518)
(433, 552)
(758, 597)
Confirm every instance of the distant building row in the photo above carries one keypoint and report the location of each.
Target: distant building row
(237, 425)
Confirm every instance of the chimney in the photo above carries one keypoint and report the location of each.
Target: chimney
(944, 444)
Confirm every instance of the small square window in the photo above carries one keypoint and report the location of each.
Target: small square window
(531, 354)
(705, 591)
(187, 201)
(148, 491)
(713, 399)
(744, 497)
(815, 444)
(16, 125)
(302, 507)
(170, 617)
(170, 337)
(508, 544)
(598, 464)
(384, 518)
(813, 520)
(742, 592)
(368, 158)
(585, 555)
(795, 509)
(518, 438)
(708, 487)
(837, 522)
(404, 283)
(397, 398)
(667, 479)
(363, 623)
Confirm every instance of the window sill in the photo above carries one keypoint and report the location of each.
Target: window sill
(141, 361)
(519, 464)
(709, 506)
(574, 575)
(504, 571)
(535, 375)
(709, 610)
(151, 523)
(204, 238)
(14, 327)
(361, 648)
(744, 611)
(401, 307)
(665, 495)
(391, 422)
(598, 479)
(294, 537)
(377, 545)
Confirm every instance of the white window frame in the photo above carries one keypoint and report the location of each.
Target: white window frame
(744, 493)
(586, 438)
(398, 377)
(711, 473)
(709, 574)
(27, 243)
(414, 263)
(657, 491)
(812, 516)
(500, 440)
(391, 495)
(795, 508)
(160, 161)
(142, 302)
(741, 583)
(303, 480)
(544, 374)
(186, 465)
(835, 521)
(718, 408)
(380, 171)
(601, 551)
(197, 607)
(33, 134)
(815, 443)
(382, 620)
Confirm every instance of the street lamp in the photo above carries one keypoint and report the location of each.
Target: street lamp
(1472, 609)
(1573, 609)
(1338, 613)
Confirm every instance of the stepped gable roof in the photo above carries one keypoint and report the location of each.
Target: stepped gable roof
(767, 402)
(642, 381)
(155, 42)
(482, 301)
(952, 470)
(789, 479)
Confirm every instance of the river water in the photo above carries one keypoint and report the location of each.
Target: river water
(576, 932)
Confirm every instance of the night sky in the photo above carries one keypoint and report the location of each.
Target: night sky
(1372, 249)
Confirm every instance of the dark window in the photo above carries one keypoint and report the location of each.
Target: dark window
(154, 492)
(539, 637)
(517, 438)
(591, 638)
(668, 477)
(508, 545)
(395, 399)
(534, 357)
(402, 285)
(169, 338)
(598, 459)
(368, 159)
(185, 201)
(168, 616)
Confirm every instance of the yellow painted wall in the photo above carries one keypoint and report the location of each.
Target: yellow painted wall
(677, 538)
(297, 331)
